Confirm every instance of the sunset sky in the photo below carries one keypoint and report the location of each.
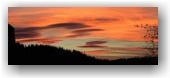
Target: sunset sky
(103, 32)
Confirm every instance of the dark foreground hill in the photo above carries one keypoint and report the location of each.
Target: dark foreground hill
(50, 55)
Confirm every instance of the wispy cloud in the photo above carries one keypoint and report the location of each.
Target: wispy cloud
(68, 25)
(107, 19)
(83, 32)
(96, 52)
(40, 40)
(77, 30)
(26, 34)
(94, 44)
(30, 32)
(87, 30)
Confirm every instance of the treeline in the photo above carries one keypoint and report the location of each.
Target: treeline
(50, 55)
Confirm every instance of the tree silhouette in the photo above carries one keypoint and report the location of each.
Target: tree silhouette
(11, 36)
(151, 37)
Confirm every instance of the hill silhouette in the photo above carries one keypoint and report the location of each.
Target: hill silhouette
(18, 54)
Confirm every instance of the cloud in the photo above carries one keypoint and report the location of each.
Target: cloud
(77, 35)
(149, 12)
(99, 19)
(58, 25)
(126, 48)
(130, 51)
(127, 52)
(34, 31)
(111, 50)
(68, 25)
(83, 32)
(40, 40)
(28, 29)
(94, 44)
(134, 18)
(20, 35)
(26, 32)
(106, 19)
(87, 30)
(96, 52)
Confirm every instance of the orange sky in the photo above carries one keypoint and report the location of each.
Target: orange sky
(80, 25)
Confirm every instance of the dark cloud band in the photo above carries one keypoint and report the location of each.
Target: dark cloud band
(94, 44)
(34, 31)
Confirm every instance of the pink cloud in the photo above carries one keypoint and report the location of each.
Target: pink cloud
(40, 40)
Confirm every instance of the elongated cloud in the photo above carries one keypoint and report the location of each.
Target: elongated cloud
(77, 35)
(83, 32)
(26, 34)
(40, 40)
(86, 30)
(94, 44)
(58, 25)
(34, 31)
(107, 19)
(32, 34)
(68, 25)
(97, 52)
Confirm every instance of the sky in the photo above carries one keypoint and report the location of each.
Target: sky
(102, 32)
